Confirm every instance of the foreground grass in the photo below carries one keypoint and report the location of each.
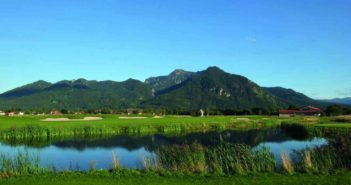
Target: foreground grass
(75, 178)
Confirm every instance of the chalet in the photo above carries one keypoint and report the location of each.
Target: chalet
(55, 112)
(10, 114)
(202, 112)
(135, 111)
(304, 111)
(38, 114)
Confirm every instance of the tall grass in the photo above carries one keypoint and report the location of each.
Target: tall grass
(287, 163)
(150, 163)
(92, 165)
(22, 163)
(223, 159)
(186, 158)
(307, 161)
(32, 127)
(229, 158)
(115, 162)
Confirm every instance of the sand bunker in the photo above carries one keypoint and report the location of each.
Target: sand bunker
(158, 117)
(243, 119)
(92, 118)
(132, 117)
(180, 116)
(67, 119)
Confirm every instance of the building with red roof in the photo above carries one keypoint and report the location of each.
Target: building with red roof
(304, 111)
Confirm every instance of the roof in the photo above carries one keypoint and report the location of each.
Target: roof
(303, 110)
(286, 111)
(310, 108)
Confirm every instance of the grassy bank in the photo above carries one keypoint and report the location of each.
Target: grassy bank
(33, 126)
(104, 178)
(335, 125)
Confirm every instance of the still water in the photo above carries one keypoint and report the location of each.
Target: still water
(78, 153)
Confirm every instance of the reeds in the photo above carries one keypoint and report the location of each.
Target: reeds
(186, 158)
(150, 163)
(307, 161)
(264, 160)
(222, 159)
(287, 164)
(22, 163)
(34, 130)
(115, 162)
(92, 165)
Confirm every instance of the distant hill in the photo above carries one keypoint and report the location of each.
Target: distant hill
(346, 101)
(79, 94)
(212, 88)
(291, 97)
(215, 89)
(163, 82)
(26, 90)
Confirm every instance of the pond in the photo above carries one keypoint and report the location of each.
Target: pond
(131, 151)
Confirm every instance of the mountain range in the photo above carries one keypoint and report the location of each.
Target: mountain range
(212, 88)
(346, 101)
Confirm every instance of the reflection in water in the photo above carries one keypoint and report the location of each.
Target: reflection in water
(289, 147)
(131, 150)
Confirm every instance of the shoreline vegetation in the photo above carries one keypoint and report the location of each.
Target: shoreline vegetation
(223, 162)
(33, 127)
(22, 127)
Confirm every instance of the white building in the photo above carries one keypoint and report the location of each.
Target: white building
(2, 113)
(11, 114)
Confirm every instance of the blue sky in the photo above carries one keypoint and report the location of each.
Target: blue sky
(302, 44)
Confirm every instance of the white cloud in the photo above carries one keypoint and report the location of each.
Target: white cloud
(343, 92)
(251, 39)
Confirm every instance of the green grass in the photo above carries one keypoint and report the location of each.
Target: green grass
(335, 125)
(113, 120)
(75, 178)
(225, 158)
(222, 159)
(32, 126)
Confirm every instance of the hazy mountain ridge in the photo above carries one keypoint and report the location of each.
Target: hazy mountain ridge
(346, 101)
(291, 97)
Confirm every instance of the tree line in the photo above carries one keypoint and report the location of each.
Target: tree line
(332, 110)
